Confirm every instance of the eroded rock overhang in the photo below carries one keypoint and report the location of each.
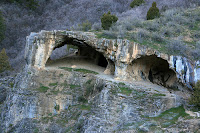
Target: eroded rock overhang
(122, 56)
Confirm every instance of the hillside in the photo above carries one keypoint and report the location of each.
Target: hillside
(59, 100)
(99, 66)
(176, 32)
(67, 14)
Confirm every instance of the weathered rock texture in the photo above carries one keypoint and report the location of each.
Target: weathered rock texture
(126, 60)
(52, 101)
(62, 100)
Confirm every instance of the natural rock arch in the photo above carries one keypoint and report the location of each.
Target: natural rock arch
(120, 55)
(82, 56)
(44, 46)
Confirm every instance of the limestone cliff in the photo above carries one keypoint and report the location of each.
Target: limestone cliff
(130, 97)
(127, 60)
(49, 101)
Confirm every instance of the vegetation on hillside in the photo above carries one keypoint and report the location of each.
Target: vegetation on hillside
(2, 27)
(153, 12)
(31, 4)
(170, 117)
(135, 3)
(4, 63)
(21, 20)
(107, 20)
(195, 97)
(85, 26)
(176, 32)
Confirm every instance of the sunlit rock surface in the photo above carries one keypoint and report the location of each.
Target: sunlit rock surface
(141, 89)
(122, 53)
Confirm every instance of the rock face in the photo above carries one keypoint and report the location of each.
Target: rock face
(61, 99)
(126, 60)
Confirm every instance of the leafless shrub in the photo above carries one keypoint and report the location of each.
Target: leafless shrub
(162, 20)
(152, 26)
(196, 34)
(96, 27)
(171, 24)
(133, 36)
(167, 31)
(198, 44)
(121, 33)
(127, 25)
(157, 37)
(177, 47)
(115, 27)
(195, 53)
(142, 35)
(109, 34)
(137, 23)
(170, 14)
(179, 19)
(63, 14)
(164, 8)
(175, 27)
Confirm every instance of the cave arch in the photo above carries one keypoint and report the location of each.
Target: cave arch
(154, 69)
(84, 53)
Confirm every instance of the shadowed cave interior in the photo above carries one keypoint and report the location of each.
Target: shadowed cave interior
(77, 55)
(153, 69)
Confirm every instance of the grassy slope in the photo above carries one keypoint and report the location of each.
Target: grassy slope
(176, 32)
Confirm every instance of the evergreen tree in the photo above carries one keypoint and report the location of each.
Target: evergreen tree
(107, 20)
(2, 27)
(195, 97)
(153, 12)
(4, 63)
(135, 3)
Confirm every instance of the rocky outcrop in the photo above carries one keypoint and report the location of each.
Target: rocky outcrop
(130, 60)
(60, 101)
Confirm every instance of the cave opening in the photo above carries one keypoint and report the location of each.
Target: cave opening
(102, 61)
(77, 55)
(154, 69)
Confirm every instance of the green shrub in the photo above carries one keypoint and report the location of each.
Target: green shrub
(57, 107)
(85, 71)
(82, 99)
(4, 63)
(135, 3)
(86, 26)
(89, 88)
(195, 98)
(2, 27)
(43, 89)
(73, 86)
(85, 107)
(153, 12)
(107, 20)
(170, 117)
(11, 84)
(53, 84)
(126, 91)
(32, 4)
